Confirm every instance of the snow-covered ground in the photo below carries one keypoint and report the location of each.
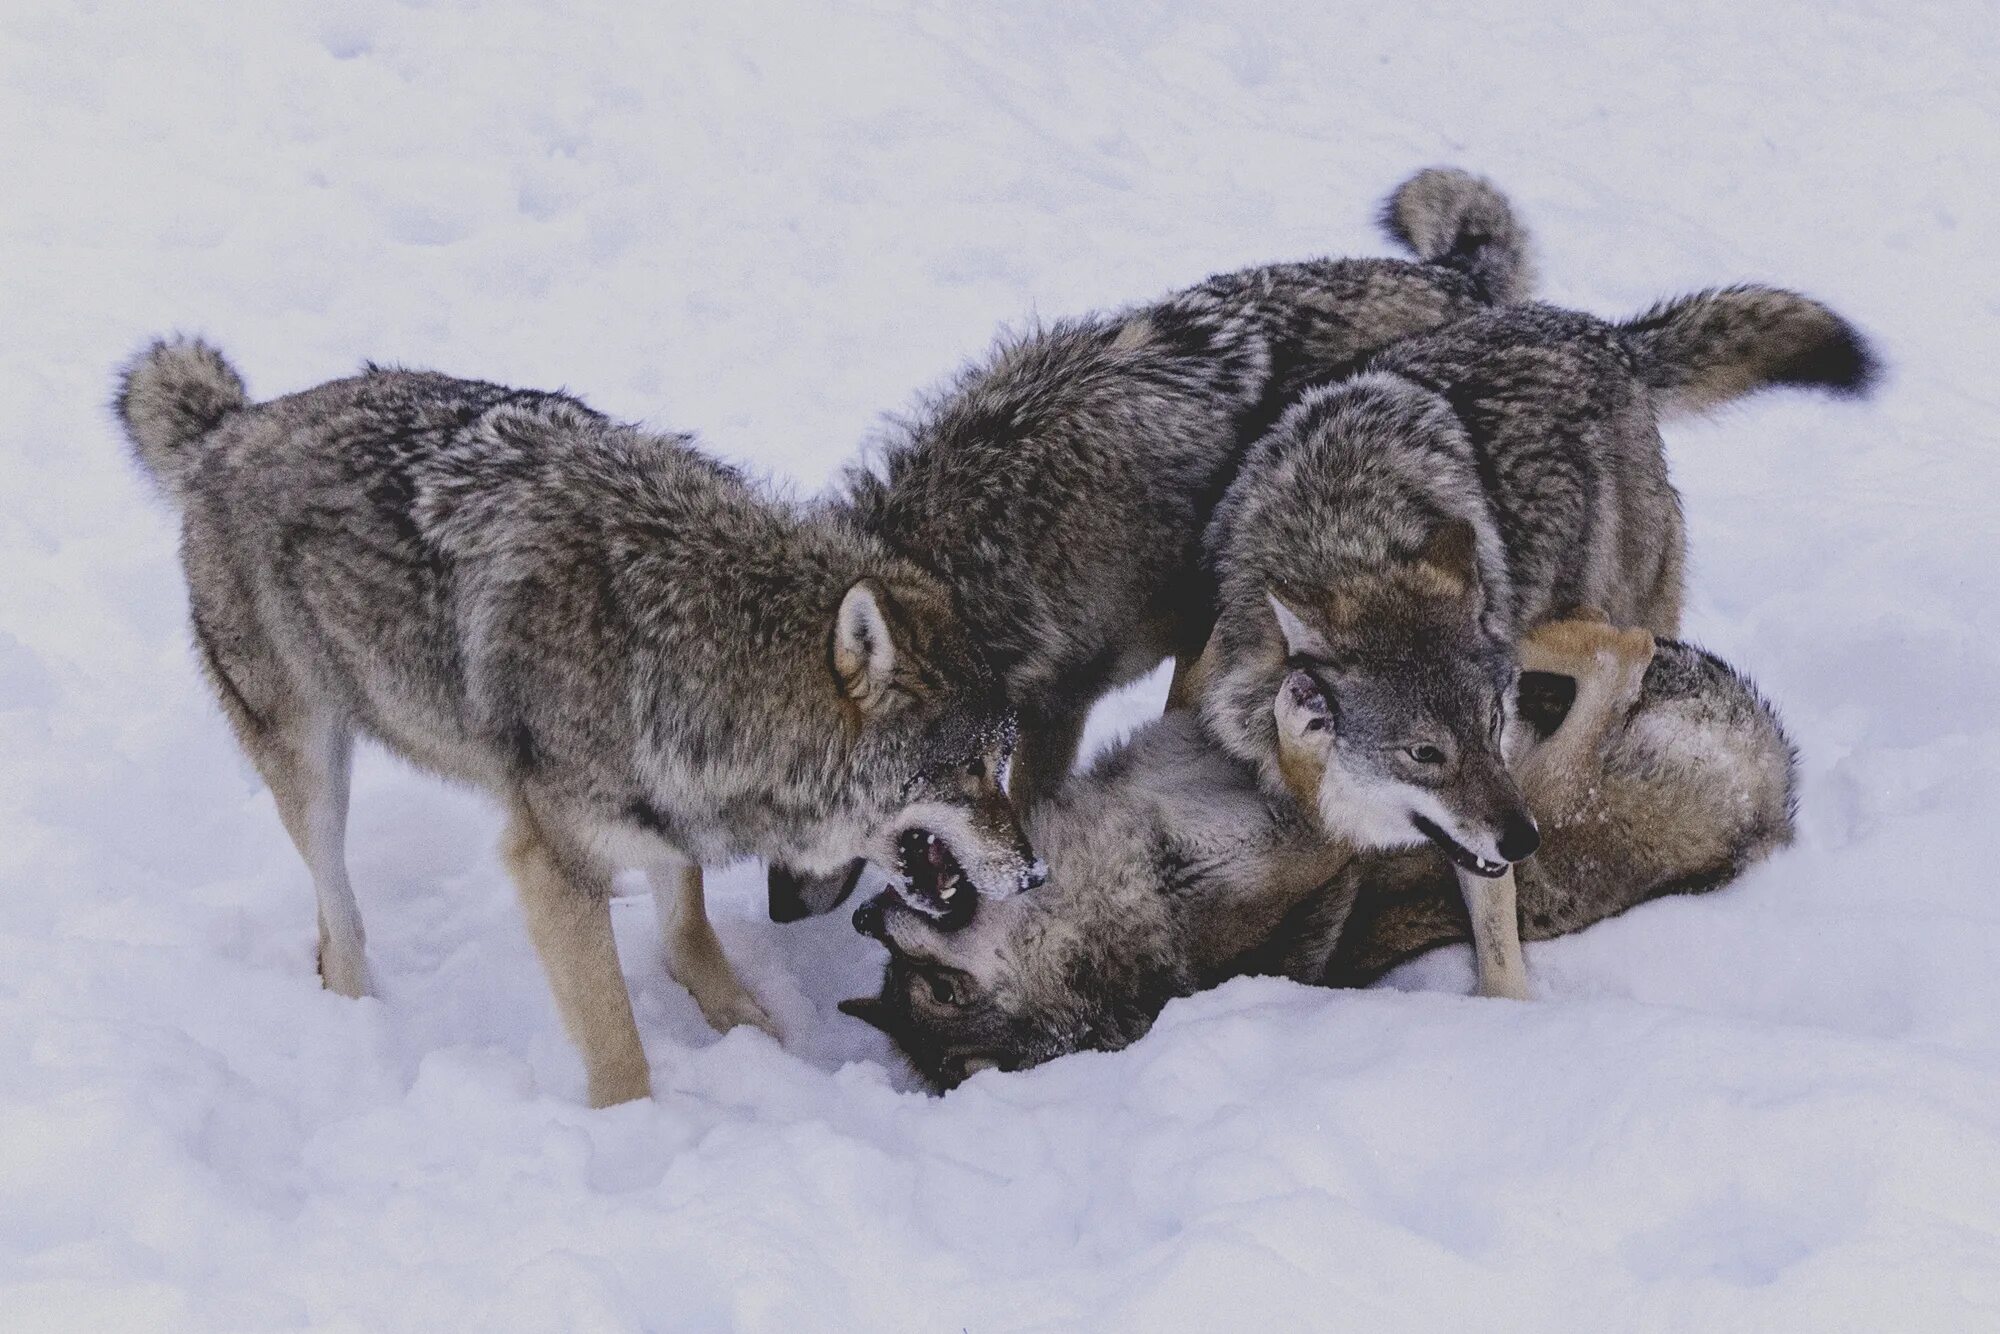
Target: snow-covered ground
(1775, 1108)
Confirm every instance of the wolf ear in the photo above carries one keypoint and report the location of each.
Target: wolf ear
(1301, 640)
(864, 650)
(1303, 711)
(1451, 553)
(869, 1010)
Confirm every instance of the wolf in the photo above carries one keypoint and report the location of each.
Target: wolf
(1382, 550)
(647, 660)
(1654, 768)
(1060, 488)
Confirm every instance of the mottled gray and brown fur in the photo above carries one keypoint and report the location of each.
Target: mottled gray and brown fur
(1061, 486)
(1384, 547)
(1173, 869)
(647, 660)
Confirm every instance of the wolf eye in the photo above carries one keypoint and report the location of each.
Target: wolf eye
(943, 990)
(977, 769)
(1425, 754)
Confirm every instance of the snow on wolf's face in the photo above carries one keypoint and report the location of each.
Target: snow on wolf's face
(935, 733)
(1001, 984)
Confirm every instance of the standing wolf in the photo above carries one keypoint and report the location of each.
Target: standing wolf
(1172, 869)
(1384, 548)
(1060, 489)
(647, 661)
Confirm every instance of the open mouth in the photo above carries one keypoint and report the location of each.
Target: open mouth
(931, 879)
(1461, 856)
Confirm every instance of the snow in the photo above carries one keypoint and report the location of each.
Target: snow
(1776, 1107)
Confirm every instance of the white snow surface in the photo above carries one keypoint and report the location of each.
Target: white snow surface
(1776, 1107)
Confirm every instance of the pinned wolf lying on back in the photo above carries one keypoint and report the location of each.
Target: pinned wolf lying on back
(647, 661)
(1171, 869)
(1061, 487)
(1385, 546)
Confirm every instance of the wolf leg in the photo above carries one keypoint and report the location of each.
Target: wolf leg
(1191, 672)
(694, 956)
(1044, 756)
(1496, 934)
(791, 897)
(1609, 666)
(305, 764)
(566, 898)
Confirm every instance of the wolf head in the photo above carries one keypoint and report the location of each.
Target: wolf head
(1393, 710)
(929, 717)
(1009, 985)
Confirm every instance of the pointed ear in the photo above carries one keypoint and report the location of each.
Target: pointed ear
(869, 1010)
(1451, 553)
(1301, 640)
(1303, 711)
(864, 650)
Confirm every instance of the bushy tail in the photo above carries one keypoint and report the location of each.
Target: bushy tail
(169, 397)
(1447, 216)
(1703, 350)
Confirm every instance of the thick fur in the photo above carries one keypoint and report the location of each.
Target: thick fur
(170, 395)
(1698, 785)
(1698, 351)
(1060, 488)
(622, 639)
(1172, 869)
(1447, 216)
(1418, 518)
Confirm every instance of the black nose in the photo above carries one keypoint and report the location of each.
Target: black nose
(1519, 839)
(868, 919)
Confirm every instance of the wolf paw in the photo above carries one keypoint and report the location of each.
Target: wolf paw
(345, 974)
(620, 1083)
(733, 1007)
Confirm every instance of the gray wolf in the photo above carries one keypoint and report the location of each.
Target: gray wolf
(646, 660)
(1384, 547)
(1060, 488)
(1172, 868)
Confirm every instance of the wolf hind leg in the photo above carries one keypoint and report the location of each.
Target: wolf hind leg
(694, 956)
(1560, 774)
(566, 898)
(305, 763)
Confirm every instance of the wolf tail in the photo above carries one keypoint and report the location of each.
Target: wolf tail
(1446, 216)
(171, 395)
(1703, 350)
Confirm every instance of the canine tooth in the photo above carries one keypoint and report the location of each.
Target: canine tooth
(947, 891)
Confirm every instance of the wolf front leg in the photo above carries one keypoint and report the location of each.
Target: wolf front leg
(566, 897)
(1496, 934)
(1045, 754)
(694, 956)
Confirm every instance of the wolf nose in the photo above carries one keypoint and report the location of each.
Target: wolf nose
(868, 919)
(1519, 840)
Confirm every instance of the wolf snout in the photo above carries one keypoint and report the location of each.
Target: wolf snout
(868, 920)
(1518, 839)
